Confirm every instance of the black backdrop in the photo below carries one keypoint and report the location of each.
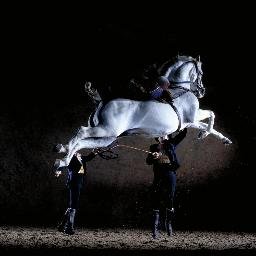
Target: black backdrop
(43, 103)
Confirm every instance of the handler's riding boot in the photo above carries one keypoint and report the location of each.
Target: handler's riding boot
(63, 221)
(155, 231)
(168, 221)
(69, 226)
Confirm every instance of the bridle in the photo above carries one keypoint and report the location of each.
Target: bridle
(197, 83)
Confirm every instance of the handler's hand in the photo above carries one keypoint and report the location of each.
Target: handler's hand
(156, 155)
(98, 150)
(57, 173)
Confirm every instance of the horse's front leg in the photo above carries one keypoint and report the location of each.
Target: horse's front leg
(203, 126)
(204, 114)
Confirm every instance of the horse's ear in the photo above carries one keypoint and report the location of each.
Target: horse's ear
(198, 57)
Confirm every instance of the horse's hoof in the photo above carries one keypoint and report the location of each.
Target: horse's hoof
(59, 149)
(57, 173)
(202, 135)
(227, 141)
(56, 165)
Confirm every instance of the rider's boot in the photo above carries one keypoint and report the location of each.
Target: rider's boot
(167, 96)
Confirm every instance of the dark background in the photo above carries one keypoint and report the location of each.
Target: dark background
(43, 103)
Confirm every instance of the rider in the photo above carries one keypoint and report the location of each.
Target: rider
(160, 90)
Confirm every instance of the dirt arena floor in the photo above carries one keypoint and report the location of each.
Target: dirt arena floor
(43, 241)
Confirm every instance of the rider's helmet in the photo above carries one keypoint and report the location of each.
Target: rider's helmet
(163, 82)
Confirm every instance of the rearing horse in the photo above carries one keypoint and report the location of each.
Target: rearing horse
(121, 117)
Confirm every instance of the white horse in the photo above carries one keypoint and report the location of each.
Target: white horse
(121, 117)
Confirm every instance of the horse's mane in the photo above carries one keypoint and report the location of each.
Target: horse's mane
(184, 58)
(167, 67)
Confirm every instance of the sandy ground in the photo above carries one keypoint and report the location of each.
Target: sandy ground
(124, 241)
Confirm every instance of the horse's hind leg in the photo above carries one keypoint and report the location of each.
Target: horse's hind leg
(84, 143)
(66, 148)
(201, 115)
(91, 143)
(82, 133)
(92, 137)
(89, 132)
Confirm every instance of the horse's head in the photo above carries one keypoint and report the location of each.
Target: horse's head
(186, 72)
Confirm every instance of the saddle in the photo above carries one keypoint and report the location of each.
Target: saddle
(166, 97)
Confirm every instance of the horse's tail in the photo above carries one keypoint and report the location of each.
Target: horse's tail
(94, 116)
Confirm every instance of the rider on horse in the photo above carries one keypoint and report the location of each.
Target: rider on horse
(160, 90)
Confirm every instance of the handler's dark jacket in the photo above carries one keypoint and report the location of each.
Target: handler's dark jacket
(76, 170)
(168, 160)
(75, 165)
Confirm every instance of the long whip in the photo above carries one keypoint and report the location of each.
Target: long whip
(115, 155)
(125, 146)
